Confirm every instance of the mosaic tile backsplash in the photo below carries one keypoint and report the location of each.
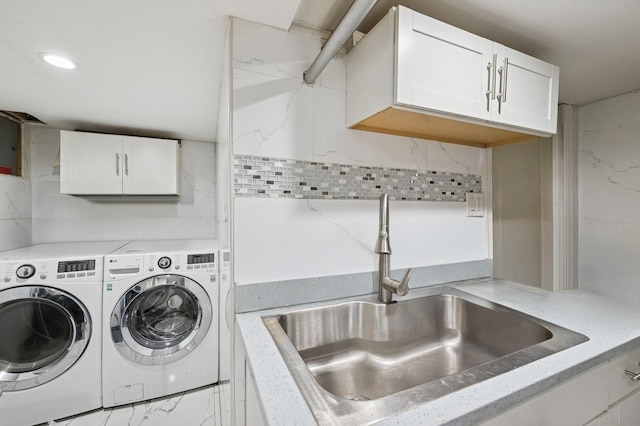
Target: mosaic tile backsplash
(285, 178)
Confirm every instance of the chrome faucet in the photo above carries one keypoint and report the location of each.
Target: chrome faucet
(386, 285)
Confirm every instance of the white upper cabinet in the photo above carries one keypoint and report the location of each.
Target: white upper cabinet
(101, 164)
(440, 67)
(90, 163)
(416, 76)
(526, 91)
(150, 166)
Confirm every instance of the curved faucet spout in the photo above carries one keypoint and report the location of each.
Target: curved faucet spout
(401, 288)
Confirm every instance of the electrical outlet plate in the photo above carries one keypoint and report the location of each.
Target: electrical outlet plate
(475, 204)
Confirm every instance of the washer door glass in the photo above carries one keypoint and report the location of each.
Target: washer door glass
(163, 316)
(43, 331)
(161, 319)
(34, 334)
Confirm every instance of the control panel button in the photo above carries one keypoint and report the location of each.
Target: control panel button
(151, 268)
(43, 276)
(81, 274)
(25, 271)
(60, 276)
(164, 262)
(177, 267)
(71, 275)
(90, 274)
(7, 279)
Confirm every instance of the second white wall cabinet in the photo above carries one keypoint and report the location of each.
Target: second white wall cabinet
(413, 75)
(104, 164)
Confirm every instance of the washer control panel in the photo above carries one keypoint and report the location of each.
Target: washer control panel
(50, 270)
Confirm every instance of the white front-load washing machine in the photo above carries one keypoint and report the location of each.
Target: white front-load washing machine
(51, 331)
(160, 333)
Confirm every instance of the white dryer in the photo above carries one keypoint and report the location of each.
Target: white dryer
(51, 331)
(160, 333)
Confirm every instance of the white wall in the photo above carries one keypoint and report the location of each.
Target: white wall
(609, 197)
(276, 114)
(15, 204)
(521, 197)
(58, 217)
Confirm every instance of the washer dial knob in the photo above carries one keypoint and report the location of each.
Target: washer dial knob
(25, 271)
(164, 262)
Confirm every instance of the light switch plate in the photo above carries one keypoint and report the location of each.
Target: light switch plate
(475, 204)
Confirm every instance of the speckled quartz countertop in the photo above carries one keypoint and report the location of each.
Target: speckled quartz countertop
(613, 327)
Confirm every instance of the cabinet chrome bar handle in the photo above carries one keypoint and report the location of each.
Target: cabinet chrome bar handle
(126, 164)
(503, 80)
(488, 93)
(493, 83)
(634, 376)
(117, 164)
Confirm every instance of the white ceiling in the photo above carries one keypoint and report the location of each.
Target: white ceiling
(595, 43)
(153, 68)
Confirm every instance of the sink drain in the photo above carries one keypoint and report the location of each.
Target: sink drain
(356, 397)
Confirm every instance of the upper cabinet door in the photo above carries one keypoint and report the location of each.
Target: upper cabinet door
(442, 68)
(150, 166)
(90, 163)
(527, 91)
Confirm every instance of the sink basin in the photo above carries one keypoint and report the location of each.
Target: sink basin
(362, 361)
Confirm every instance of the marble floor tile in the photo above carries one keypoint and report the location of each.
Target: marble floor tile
(209, 406)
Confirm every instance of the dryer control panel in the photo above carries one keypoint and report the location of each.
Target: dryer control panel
(181, 262)
(126, 266)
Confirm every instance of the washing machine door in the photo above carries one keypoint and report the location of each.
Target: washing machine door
(161, 319)
(43, 332)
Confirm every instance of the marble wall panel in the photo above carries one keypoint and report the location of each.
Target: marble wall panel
(282, 239)
(59, 217)
(276, 114)
(609, 197)
(15, 205)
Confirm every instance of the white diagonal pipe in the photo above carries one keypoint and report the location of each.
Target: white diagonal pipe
(338, 37)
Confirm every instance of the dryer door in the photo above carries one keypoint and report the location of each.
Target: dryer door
(161, 319)
(43, 332)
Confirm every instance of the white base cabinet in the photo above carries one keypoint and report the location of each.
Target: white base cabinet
(253, 409)
(624, 393)
(413, 75)
(104, 164)
(602, 396)
(574, 402)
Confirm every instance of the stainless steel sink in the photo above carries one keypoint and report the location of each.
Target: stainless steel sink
(359, 362)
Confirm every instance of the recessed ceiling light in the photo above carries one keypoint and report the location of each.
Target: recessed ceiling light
(58, 61)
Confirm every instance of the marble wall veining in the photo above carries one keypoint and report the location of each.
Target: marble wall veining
(15, 204)
(277, 115)
(59, 217)
(609, 197)
(15, 212)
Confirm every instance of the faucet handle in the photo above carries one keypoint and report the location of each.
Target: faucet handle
(403, 288)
